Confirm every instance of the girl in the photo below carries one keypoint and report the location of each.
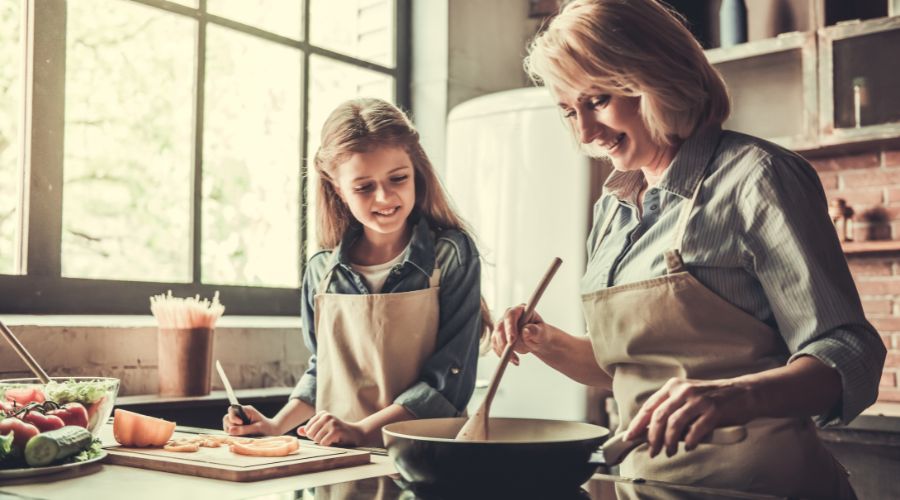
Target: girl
(392, 309)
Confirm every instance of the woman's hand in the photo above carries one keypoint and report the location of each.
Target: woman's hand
(688, 410)
(326, 429)
(259, 423)
(535, 335)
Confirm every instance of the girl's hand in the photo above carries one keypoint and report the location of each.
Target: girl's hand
(687, 410)
(326, 429)
(535, 335)
(259, 423)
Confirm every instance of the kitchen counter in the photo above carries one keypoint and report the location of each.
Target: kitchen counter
(103, 481)
(376, 481)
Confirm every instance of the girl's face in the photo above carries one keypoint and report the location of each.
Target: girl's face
(379, 188)
(610, 125)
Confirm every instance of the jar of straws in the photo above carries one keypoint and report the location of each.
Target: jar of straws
(185, 342)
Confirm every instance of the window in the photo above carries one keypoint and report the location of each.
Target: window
(163, 144)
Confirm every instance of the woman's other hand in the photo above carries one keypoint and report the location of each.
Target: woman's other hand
(688, 410)
(326, 429)
(535, 336)
(259, 423)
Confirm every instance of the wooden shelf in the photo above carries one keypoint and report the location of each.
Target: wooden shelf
(862, 247)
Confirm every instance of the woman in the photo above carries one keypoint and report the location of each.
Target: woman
(716, 292)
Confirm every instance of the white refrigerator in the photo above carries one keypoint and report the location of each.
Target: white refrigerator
(517, 177)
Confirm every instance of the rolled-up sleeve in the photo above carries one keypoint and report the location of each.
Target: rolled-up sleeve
(794, 251)
(447, 379)
(305, 389)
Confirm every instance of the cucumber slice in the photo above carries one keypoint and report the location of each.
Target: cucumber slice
(51, 446)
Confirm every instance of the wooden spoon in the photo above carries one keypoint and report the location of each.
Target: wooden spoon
(24, 354)
(476, 428)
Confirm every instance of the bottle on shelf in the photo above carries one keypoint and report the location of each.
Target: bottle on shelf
(732, 23)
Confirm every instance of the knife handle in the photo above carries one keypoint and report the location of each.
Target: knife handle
(239, 411)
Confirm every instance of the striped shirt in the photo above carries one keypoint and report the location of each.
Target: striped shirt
(761, 238)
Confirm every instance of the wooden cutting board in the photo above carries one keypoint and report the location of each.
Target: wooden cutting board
(220, 463)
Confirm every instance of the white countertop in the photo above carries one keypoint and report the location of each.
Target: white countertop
(102, 481)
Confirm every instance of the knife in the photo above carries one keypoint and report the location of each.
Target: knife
(616, 448)
(235, 406)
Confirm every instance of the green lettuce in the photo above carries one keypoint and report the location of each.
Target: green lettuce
(86, 392)
(91, 452)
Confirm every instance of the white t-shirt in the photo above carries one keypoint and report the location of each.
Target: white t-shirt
(375, 276)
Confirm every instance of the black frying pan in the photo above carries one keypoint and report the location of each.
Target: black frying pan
(522, 456)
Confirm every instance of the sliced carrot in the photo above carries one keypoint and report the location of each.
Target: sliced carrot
(276, 446)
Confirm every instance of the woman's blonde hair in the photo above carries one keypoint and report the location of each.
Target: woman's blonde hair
(363, 125)
(633, 48)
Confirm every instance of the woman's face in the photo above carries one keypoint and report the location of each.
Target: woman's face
(610, 125)
(379, 188)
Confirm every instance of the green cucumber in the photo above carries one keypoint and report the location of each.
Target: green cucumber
(50, 446)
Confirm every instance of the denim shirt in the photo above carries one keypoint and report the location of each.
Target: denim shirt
(760, 238)
(447, 379)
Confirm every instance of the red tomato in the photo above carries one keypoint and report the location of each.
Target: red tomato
(6, 408)
(43, 422)
(72, 414)
(25, 395)
(93, 411)
(134, 429)
(23, 432)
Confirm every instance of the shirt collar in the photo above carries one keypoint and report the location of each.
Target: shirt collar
(419, 252)
(682, 175)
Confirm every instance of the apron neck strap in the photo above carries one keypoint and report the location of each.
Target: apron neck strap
(323, 283)
(674, 262)
(435, 279)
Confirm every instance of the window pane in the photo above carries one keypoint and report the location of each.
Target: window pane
(281, 17)
(251, 161)
(331, 83)
(10, 128)
(358, 28)
(128, 140)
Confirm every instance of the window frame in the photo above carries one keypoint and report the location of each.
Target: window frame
(43, 290)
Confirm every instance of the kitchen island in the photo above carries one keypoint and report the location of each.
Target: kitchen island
(377, 480)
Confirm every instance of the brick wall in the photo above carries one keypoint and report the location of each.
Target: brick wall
(870, 182)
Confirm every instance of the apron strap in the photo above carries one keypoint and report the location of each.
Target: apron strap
(674, 262)
(323, 283)
(435, 279)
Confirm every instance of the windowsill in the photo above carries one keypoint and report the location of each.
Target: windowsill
(138, 321)
(214, 397)
(883, 409)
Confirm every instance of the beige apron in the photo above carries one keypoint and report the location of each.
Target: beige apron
(371, 347)
(673, 326)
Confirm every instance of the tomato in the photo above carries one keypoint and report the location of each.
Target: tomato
(22, 432)
(43, 422)
(134, 429)
(93, 411)
(25, 395)
(72, 414)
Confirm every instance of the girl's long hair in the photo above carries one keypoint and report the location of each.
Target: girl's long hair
(363, 125)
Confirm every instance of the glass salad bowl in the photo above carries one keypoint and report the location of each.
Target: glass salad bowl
(96, 394)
